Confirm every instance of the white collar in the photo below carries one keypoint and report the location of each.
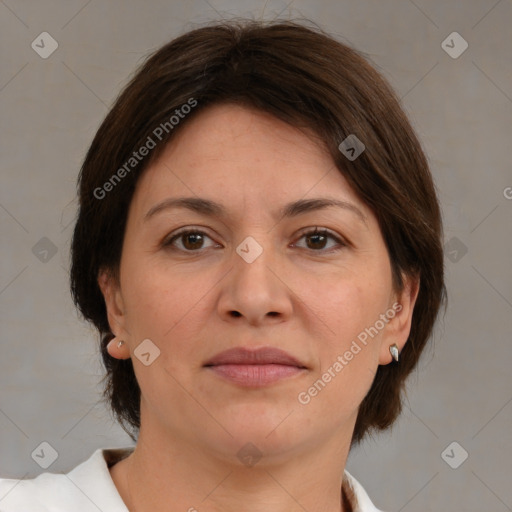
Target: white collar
(89, 487)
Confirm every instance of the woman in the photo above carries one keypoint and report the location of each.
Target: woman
(259, 244)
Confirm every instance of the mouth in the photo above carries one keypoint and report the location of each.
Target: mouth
(256, 367)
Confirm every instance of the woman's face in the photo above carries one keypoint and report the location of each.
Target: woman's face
(250, 277)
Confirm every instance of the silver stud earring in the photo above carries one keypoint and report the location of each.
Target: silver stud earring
(393, 349)
(120, 343)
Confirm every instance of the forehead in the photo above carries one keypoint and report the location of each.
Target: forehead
(227, 131)
(243, 157)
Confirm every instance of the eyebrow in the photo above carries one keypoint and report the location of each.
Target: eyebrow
(214, 209)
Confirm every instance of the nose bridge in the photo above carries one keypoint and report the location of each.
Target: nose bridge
(252, 262)
(252, 289)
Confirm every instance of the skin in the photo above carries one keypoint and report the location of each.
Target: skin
(299, 295)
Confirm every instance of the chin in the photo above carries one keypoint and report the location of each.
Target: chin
(249, 447)
(271, 432)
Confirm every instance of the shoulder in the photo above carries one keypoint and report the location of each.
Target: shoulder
(88, 487)
(35, 493)
(357, 496)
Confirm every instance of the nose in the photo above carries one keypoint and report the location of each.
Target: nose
(255, 291)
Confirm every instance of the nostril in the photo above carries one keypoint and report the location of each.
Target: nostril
(235, 313)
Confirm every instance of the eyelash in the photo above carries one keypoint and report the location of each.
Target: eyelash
(168, 243)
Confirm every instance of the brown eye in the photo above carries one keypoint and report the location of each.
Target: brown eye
(317, 240)
(190, 240)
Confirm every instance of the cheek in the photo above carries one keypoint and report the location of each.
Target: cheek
(167, 305)
(351, 306)
(349, 353)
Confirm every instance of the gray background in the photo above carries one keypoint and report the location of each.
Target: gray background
(462, 110)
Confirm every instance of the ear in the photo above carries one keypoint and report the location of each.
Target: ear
(111, 290)
(399, 327)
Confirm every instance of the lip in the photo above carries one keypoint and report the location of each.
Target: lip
(258, 356)
(255, 367)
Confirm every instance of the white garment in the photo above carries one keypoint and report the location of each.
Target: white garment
(90, 488)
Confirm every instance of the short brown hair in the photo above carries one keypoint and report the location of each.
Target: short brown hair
(307, 78)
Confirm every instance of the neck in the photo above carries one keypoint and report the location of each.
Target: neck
(181, 478)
